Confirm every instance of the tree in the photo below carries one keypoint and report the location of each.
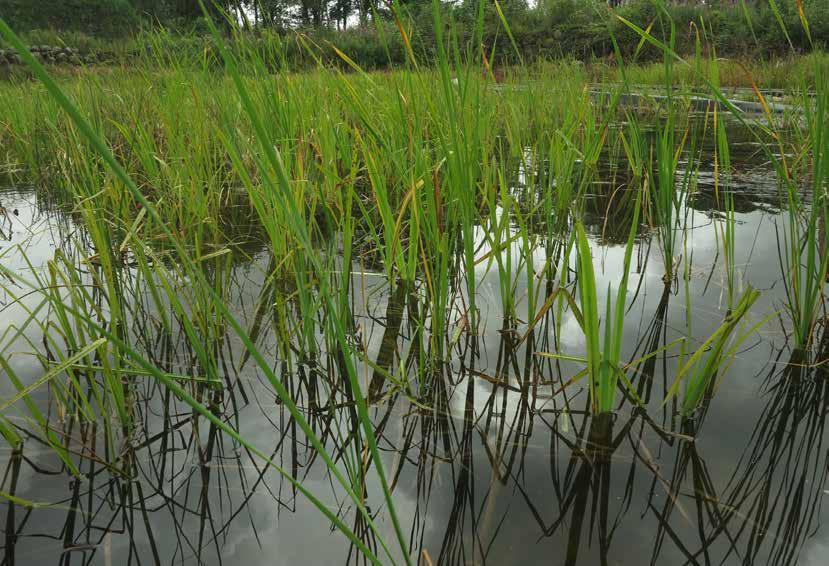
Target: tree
(184, 9)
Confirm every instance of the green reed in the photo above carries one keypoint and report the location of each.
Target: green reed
(803, 265)
(342, 175)
(724, 194)
(714, 356)
(603, 348)
(666, 200)
(804, 259)
(191, 269)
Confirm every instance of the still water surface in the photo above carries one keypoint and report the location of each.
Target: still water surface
(496, 469)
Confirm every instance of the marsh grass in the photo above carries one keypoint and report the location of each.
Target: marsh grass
(725, 199)
(208, 301)
(421, 178)
(804, 270)
(603, 346)
(700, 369)
(603, 366)
(803, 257)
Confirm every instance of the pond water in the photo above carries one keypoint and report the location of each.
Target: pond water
(498, 468)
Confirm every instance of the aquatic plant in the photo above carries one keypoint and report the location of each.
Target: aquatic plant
(423, 181)
(603, 348)
(278, 188)
(711, 359)
(804, 260)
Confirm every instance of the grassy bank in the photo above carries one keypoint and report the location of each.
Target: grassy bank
(123, 59)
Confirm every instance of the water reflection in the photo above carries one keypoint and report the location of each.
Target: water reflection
(492, 459)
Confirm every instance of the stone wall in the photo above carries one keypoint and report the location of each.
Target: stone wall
(49, 54)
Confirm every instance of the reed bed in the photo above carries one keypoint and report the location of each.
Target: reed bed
(432, 180)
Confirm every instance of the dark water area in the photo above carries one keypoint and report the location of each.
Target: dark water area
(502, 465)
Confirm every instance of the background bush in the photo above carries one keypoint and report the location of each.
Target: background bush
(106, 18)
(551, 29)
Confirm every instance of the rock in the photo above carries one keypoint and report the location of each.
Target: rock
(51, 54)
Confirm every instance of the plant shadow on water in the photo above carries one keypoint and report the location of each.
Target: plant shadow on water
(493, 457)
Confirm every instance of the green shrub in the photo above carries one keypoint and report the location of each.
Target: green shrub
(549, 29)
(106, 18)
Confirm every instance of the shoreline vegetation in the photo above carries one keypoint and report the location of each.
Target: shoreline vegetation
(736, 74)
(754, 33)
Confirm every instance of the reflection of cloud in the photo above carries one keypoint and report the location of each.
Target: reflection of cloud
(816, 552)
(572, 336)
(33, 236)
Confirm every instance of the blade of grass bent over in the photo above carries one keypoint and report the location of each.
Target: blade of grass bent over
(64, 102)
